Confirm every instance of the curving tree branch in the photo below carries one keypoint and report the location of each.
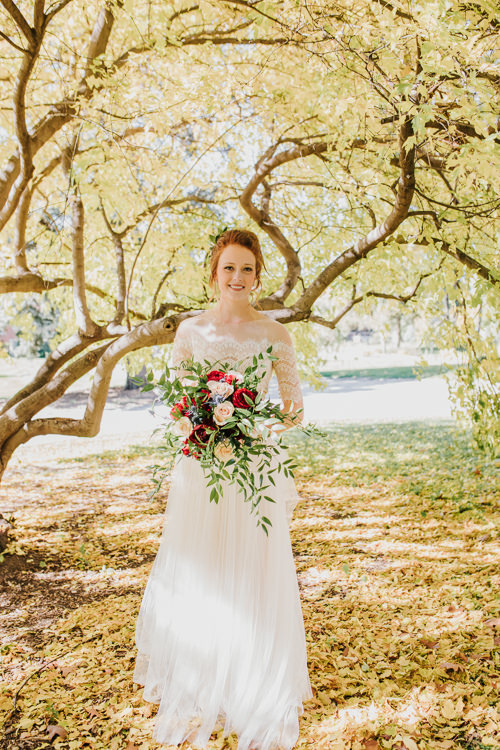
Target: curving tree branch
(270, 161)
(17, 425)
(62, 354)
(20, 21)
(360, 249)
(356, 299)
(60, 113)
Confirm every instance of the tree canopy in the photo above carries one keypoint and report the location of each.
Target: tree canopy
(360, 140)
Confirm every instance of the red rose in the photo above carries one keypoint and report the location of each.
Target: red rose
(177, 411)
(200, 435)
(216, 375)
(181, 408)
(219, 375)
(239, 399)
(188, 451)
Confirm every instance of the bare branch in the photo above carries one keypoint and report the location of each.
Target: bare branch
(25, 159)
(38, 15)
(467, 260)
(30, 282)
(193, 40)
(355, 300)
(116, 238)
(55, 8)
(11, 42)
(394, 9)
(86, 325)
(163, 279)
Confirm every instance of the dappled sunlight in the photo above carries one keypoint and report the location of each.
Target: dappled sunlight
(408, 712)
(397, 585)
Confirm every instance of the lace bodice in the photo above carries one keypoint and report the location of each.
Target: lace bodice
(203, 341)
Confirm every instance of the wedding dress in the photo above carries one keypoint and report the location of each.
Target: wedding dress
(220, 635)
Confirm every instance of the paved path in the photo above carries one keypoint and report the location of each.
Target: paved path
(128, 419)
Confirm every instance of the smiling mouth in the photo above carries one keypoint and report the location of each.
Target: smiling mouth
(236, 287)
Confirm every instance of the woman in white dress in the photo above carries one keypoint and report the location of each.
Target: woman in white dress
(220, 634)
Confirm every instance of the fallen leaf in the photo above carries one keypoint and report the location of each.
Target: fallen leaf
(428, 643)
(65, 671)
(493, 622)
(449, 665)
(448, 709)
(56, 730)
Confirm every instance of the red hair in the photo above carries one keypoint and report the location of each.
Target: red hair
(242, 237)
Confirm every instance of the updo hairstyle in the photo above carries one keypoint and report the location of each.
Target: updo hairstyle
(243, 237)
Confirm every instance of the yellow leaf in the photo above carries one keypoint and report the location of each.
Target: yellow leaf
(448, 709)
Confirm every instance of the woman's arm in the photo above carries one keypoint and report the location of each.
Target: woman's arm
(287, 374)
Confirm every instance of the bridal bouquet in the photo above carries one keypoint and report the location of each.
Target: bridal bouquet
(218, 416)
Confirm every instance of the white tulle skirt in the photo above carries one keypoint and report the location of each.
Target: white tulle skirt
(220, 634)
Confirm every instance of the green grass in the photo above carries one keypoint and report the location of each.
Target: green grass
(385, 373)
(435, 461)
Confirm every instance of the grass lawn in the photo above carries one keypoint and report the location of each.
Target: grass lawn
(400, 372)
(397, 550)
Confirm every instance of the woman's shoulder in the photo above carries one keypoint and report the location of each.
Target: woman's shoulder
(280, 332)
(189, 323)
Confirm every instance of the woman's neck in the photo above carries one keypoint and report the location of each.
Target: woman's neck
(230, 312)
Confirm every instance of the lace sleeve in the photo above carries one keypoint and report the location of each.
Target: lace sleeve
(287, 374)
(181, 350)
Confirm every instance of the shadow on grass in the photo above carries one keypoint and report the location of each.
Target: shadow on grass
(396, 547)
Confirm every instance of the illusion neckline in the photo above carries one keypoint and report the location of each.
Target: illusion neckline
(265, 340)
(241, 322)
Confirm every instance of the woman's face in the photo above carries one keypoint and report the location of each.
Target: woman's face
(236, 272)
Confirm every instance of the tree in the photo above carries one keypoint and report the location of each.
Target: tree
(360, 140)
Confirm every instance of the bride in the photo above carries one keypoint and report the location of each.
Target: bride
(220, 635)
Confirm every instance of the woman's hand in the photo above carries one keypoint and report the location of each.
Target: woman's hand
(292, 417)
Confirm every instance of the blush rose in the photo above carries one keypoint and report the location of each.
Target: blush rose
(220, 388)
(223, 413)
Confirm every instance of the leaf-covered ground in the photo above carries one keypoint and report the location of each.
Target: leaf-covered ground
(397, 551)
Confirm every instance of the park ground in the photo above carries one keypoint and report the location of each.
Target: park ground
(396, 546)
